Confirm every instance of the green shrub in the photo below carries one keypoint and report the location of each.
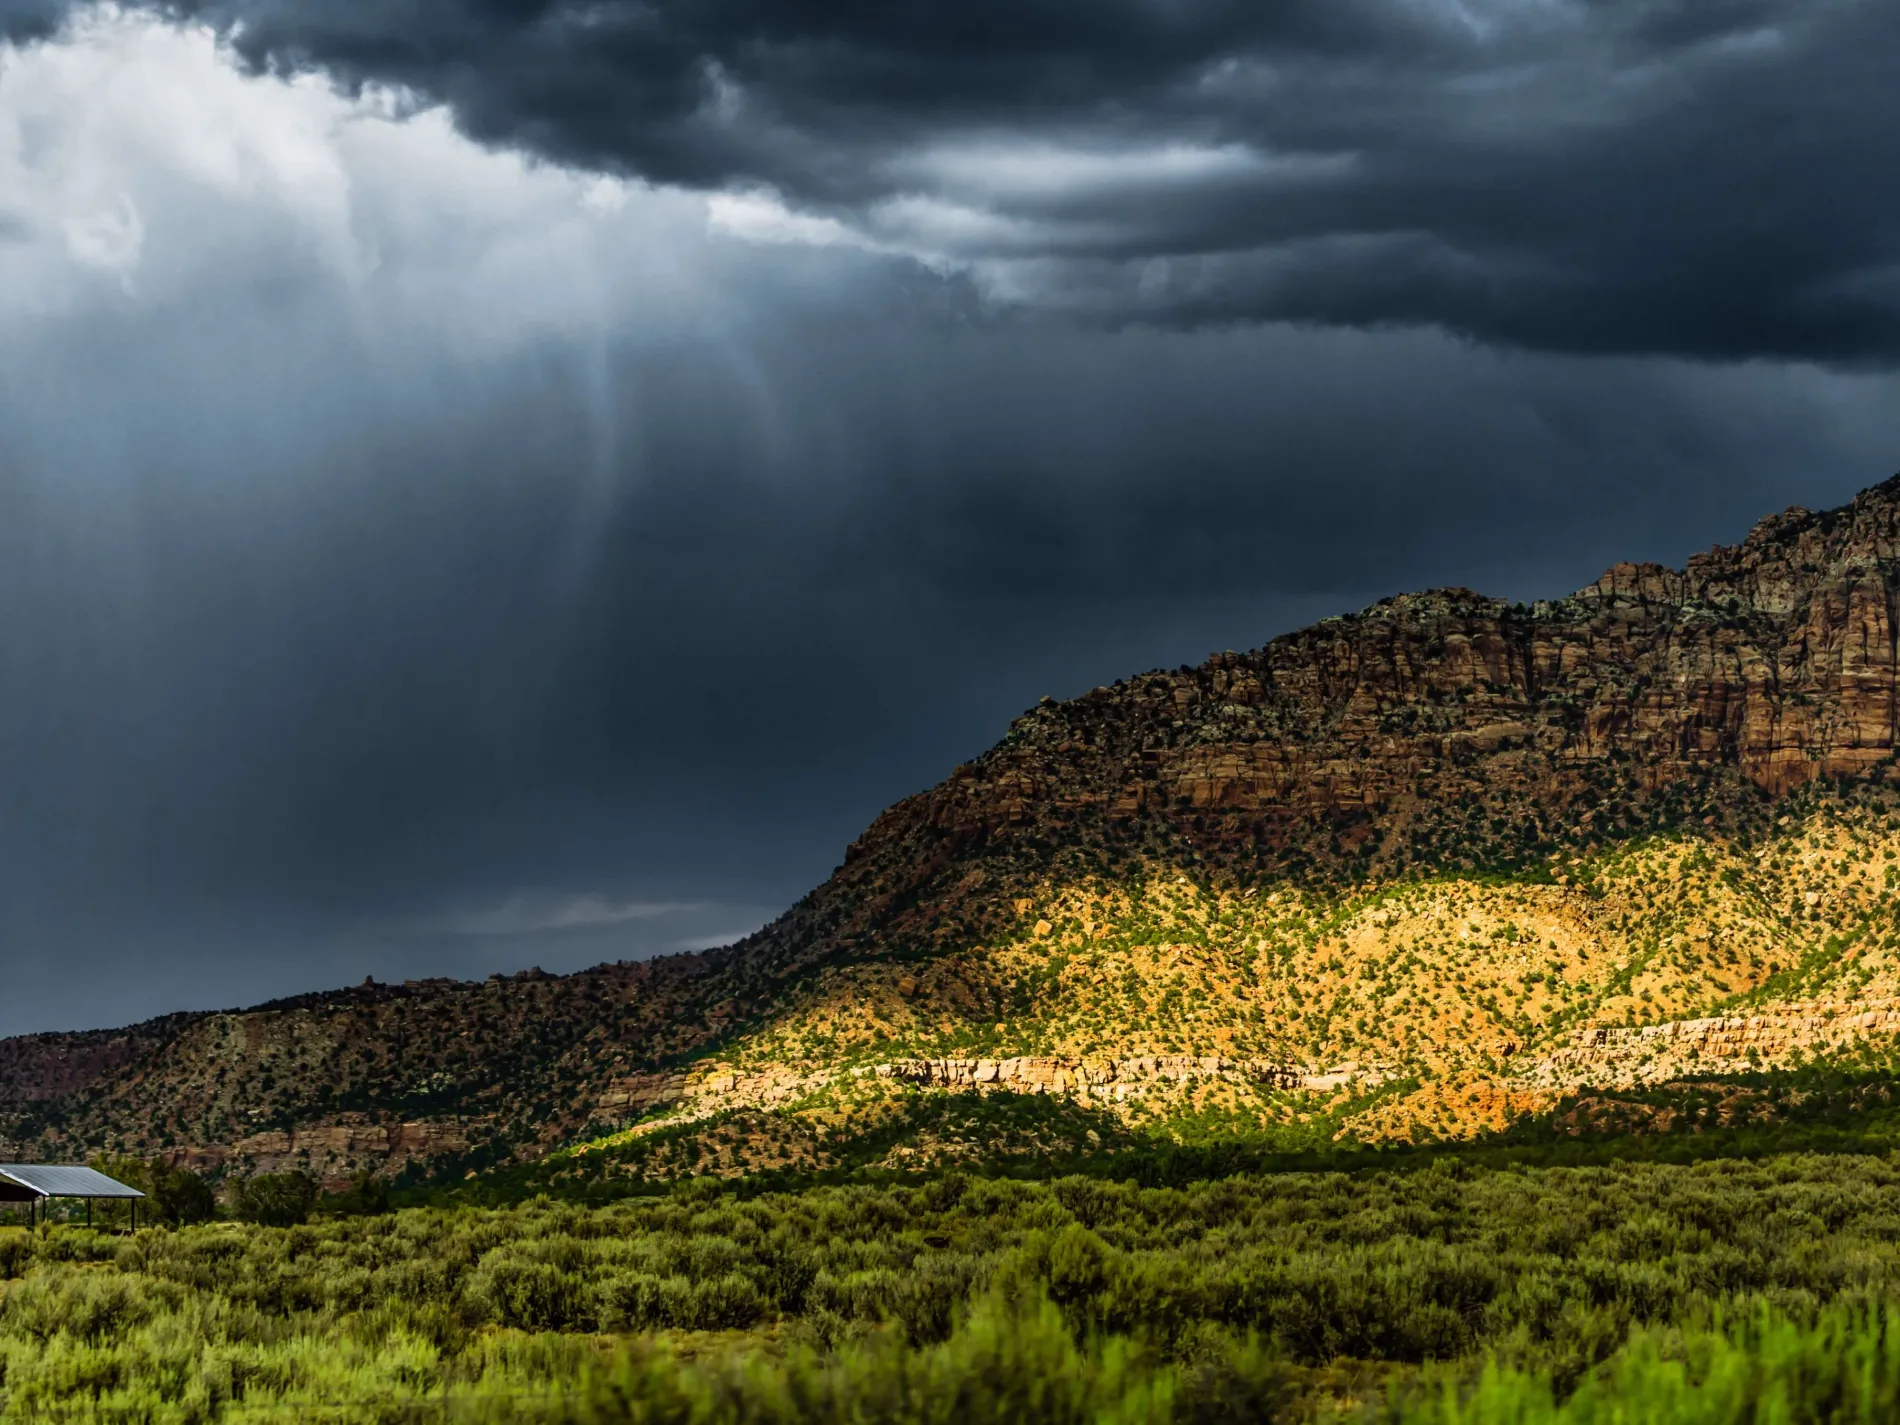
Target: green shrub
(173, 1195)
(527, 1295)
(181, 1197)
(275, 1199)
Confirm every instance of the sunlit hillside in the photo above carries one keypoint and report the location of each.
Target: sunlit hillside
(1432, 1006)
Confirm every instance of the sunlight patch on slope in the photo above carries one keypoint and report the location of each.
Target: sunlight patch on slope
(1433, 1008)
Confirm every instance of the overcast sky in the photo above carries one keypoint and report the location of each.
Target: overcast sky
(488, 484)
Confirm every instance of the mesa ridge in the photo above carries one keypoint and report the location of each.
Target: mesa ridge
(1393, 875)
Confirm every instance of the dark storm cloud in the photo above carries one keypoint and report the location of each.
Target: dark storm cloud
(412, 561)
(1660, 176)
(26, 20)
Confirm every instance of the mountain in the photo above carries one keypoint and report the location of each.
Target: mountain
(1407, 872)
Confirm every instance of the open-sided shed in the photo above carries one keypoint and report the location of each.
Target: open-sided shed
(33, 1183)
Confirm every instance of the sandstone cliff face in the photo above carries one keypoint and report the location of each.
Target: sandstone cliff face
(332, 1151)
(1432, 731)
(1775, 659)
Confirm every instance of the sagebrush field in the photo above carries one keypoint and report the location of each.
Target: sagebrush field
(1725, 1290)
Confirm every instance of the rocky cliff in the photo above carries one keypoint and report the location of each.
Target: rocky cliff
(1773, 660)
(1424, 845)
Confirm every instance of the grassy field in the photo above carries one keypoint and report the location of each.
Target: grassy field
(1738, 1289)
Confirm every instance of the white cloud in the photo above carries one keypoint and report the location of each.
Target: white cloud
(131, 145)
(760, 216)
(713, 942)
(541, 914)
(111, 238)
(604, 195)
(941, 227)
(1012, 170)
(1002, 208)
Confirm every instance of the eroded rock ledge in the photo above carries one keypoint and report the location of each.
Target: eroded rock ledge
(711, 1090)
(1732, 1043)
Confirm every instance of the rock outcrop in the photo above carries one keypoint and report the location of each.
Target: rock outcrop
(332, 1151)
(719, 1088)
(1621, 1057)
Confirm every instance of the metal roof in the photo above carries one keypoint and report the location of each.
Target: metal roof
(64, 1180)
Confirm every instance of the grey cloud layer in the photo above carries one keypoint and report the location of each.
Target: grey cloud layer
(1648, 176)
